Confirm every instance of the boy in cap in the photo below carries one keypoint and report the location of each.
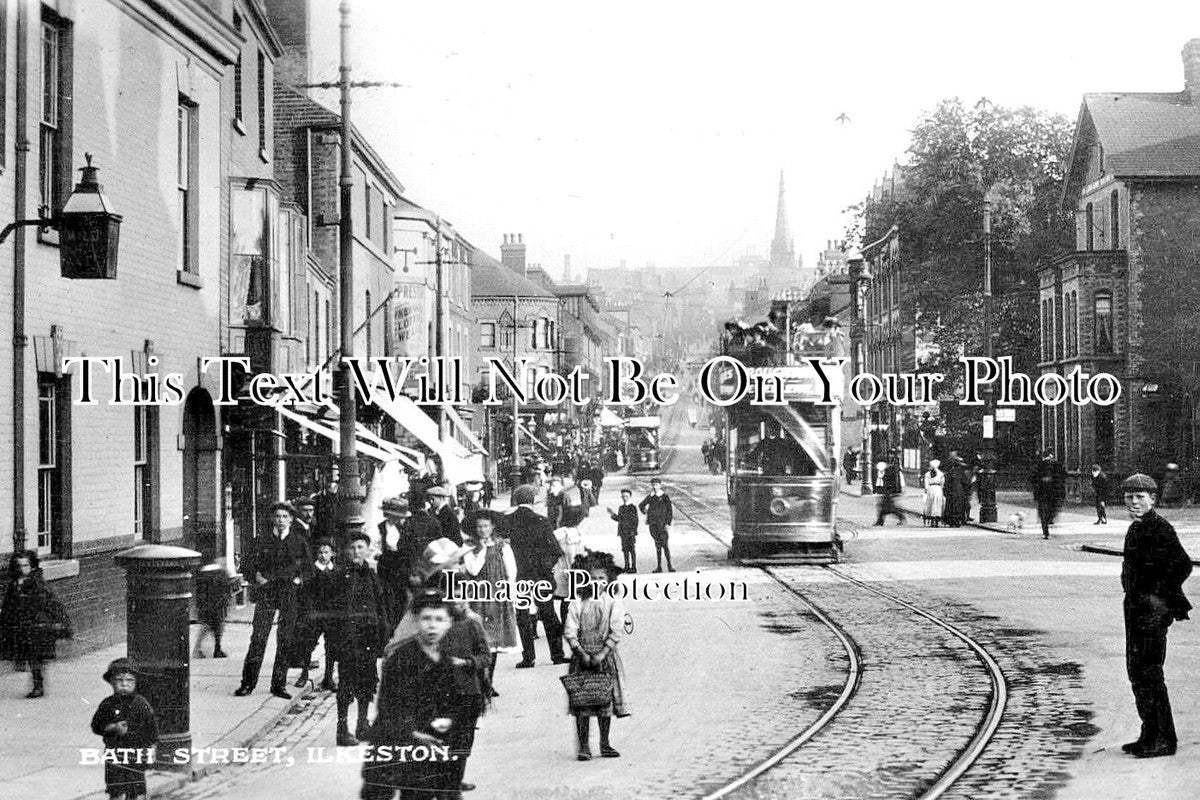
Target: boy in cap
(126, 721)
(359, 634)
(318, 614)
(1152, 574)
(626, 517)
(659, 515)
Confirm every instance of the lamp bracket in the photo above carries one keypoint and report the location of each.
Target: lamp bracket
(44, 222)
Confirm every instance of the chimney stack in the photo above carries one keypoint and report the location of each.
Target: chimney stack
(512, 253)
(567, 267)
(1191, 71)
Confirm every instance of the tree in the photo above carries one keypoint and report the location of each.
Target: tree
(957, 155)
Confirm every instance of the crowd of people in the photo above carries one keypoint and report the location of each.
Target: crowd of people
(394, 637)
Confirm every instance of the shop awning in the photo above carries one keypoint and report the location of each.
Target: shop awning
(366, 442)
(461, 424)
(608, 419)
(534, 439)
(459, 464)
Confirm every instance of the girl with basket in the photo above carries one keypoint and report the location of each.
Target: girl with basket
(595, 682)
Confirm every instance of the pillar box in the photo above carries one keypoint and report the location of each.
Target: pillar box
(159, 583)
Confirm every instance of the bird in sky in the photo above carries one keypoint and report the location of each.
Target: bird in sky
(842, 118)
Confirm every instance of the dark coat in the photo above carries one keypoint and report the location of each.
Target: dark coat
(448, 522)
(132, 709)
(1100, 486)
(891, 480)
(468, 640)
(1156, 563)
(318, 592)
(554, 508)
(657, 508)
(627, 520)
(325, 515)
(414, 692)
(32, 620)
(958, 482)
(1049, 482)
(534, 547)
(362, 628)
(280, 562)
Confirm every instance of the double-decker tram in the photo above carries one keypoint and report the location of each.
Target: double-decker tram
(782, 443)
(641, 444)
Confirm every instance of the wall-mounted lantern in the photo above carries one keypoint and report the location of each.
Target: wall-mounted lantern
(88, 230)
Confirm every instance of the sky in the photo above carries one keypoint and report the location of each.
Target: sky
(654, 132)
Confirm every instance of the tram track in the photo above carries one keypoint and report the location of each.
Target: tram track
(789, 768)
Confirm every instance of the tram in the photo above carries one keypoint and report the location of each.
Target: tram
(782, 480)
(641, 444)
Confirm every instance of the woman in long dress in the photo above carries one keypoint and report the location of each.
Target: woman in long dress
(571, 541)
(955, 511)
(935, 499)
(492, 561)
(594, 629)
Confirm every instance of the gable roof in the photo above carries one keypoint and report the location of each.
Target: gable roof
(1150, 134)
(490, 278)
(1140, 134)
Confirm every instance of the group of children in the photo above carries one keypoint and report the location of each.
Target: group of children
(659, 513)
(436, 672)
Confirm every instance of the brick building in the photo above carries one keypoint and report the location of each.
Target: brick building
(141, 89)
(517, 318)
(1126, 301)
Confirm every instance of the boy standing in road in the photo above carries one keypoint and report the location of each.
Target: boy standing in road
(659, 513)
(626, 517)
(1152, 576)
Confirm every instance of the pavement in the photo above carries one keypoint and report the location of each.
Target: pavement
(1075, 523)
(47, 734)
(703, 711)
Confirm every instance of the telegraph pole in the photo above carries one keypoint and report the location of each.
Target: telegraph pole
(350, 491)
(439, 316)
(987, 475)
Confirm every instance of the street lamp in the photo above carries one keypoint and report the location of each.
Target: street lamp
(88, 227)
(350, 488)
(860, 274)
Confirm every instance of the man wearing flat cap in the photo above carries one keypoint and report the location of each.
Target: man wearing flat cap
(395, 557)
(279, 559)
(439, 501)
(1152, 575)
(536, 551)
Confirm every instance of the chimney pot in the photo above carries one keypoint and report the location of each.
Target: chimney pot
(1191, 71)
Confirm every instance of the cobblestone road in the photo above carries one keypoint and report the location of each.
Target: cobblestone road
(922, 697)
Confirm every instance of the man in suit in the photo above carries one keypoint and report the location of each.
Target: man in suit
(555, 500)
(1049, 489)
(278, 562)
(439, 499)
(1152, 575)
(536, 551)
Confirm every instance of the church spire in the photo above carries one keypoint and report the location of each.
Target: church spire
(783, 254)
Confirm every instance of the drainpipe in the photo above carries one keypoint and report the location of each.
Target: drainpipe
(19, 340)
